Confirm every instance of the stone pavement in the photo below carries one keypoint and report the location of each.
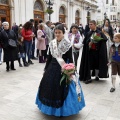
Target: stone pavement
(18, 91)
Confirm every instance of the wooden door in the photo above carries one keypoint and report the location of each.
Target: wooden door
(38, 15)
(4, 13)
(62, 18)
(77, 21)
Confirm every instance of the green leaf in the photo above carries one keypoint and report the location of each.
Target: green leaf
(63, 77)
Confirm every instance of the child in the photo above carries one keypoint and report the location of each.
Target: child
(115, 59)
(21, 52)
(53, 98)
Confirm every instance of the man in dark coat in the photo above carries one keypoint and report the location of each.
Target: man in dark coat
(87, 29)
(94, 56)
(15, 28)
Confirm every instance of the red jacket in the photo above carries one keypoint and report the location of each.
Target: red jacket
(26, 34)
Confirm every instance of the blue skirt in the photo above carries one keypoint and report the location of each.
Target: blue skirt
(70, 106)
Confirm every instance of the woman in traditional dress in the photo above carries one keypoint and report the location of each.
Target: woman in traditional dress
(53, 98)
(76, 41)
(108, 31)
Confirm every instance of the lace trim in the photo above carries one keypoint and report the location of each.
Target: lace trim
(60, 49)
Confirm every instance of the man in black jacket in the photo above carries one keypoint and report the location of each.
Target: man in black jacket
(15, 28)
(94, 56)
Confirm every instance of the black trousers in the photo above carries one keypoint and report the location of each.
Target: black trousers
(94, 59)
(8, 65)
(22, 59)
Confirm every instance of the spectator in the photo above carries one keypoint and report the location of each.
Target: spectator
(10, 53)
(87, 29)
(28, 35)
(41, 46)
(33, 40)
(108, 31)
(15, 29)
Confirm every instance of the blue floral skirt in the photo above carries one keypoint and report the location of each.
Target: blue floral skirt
(70, 106)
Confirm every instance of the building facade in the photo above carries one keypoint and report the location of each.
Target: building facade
(109, 9)
(66, 11)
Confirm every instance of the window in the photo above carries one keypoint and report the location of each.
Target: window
(77, 17)
(4, 1)
(38, 6)
(113, 2)
(62, 10)
(106, 1)
(107, 9)
(113, 9)
(110, 17)
(114, 17)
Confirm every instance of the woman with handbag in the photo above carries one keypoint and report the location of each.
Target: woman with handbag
(9, 43)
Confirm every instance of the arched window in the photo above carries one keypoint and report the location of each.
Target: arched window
(4, 1)
(88, 16)
(77, 17)
(62, 10)
(38, 12)
(62, 15)
(38, 6)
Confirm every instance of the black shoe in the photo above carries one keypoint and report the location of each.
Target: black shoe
(112, 89)
(97, 78)
(7, 70)
(26, 64)
(88, 81)
(30, 62)
(20, 65)
(34, 58)
(13, 69)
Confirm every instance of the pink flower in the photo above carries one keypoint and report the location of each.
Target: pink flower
(68, 70)
(69, 66)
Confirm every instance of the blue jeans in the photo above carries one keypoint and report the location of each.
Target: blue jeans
(28, 49)
(0, 53)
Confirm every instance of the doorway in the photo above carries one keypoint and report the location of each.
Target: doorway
(4, 13)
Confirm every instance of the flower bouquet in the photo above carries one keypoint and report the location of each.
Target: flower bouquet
(67, 72)
(95, 38)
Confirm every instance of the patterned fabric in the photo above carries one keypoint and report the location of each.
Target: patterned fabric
(62, 48)
(76, 39)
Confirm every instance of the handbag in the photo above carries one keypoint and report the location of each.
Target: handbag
(11, 42)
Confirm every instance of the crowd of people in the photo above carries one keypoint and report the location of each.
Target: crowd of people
(56, 45)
